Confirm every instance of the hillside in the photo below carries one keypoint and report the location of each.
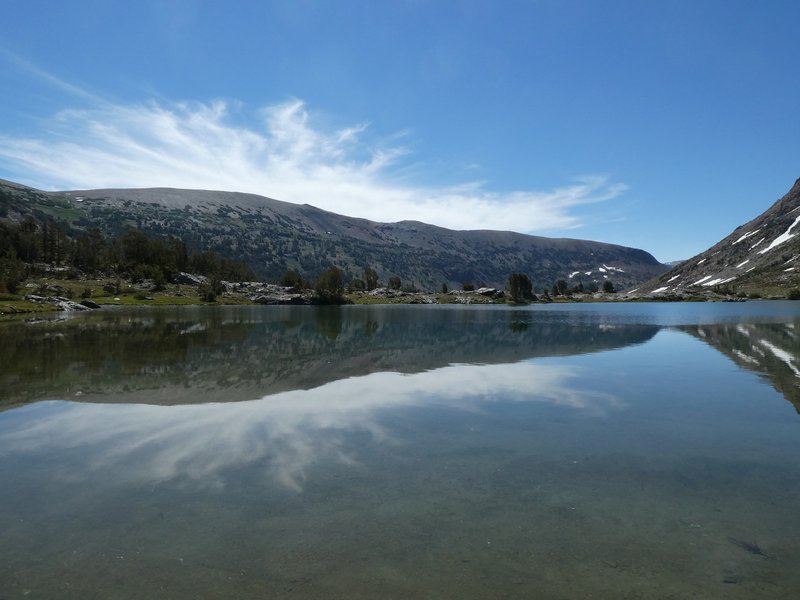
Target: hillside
(759, 257)
(274, 236)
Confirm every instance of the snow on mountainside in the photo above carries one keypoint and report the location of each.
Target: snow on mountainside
(762, 256)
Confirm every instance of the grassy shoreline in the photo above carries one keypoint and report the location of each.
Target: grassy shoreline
(128, 294)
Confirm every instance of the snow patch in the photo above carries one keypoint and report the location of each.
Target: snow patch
(746, 235)
(784, 237)
(700, 262)
(757, 243)
(617, 269)
(740, 265)
(789, 269)
(672, 278)
(661, 289)
(699, 281)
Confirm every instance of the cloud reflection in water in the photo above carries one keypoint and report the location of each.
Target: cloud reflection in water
(288, 431)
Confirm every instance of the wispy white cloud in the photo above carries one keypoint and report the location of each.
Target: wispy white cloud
(283, 156)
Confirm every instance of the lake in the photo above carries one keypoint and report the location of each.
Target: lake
(560, 452)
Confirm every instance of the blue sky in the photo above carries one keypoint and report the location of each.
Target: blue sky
(660, 125)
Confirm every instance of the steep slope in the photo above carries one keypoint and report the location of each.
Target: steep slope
(758, 257)
(273, 236)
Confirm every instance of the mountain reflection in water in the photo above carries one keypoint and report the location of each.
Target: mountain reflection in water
(369, 452)
(180, 356)
(771, 349)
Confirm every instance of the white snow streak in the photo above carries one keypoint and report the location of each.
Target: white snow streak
(746, 235)
(740, 265)
(784, 237)
(661, 289)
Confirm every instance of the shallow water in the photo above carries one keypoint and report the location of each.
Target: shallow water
(581, 451)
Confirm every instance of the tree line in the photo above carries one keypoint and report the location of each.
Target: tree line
(132, 255)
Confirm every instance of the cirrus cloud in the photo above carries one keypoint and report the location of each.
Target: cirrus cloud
(283, 156)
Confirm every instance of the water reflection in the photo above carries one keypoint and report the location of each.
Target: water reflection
(288, 431)
(186, 356)
(398, 453)
(771, 349)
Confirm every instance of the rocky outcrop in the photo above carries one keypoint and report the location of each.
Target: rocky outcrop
(64, 304)
(267, 293)
(190, 279)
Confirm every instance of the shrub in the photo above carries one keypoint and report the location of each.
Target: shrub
(292, 279)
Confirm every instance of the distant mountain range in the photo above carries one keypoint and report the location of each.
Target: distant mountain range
(762, 256)
(274, 236)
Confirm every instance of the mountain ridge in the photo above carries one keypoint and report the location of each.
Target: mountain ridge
(276, 236)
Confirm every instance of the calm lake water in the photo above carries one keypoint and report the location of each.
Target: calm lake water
(579, 451)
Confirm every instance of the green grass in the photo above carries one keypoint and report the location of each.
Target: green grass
(11, 308)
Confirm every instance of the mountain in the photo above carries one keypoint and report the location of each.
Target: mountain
(274, 236)
(758, 257)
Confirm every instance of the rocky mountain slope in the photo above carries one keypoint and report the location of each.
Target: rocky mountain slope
(274, 236)
(762, 256)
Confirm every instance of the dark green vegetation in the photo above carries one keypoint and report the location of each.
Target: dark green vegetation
(520, 287)
(759, 259)
(276, 237)
(44, 242)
